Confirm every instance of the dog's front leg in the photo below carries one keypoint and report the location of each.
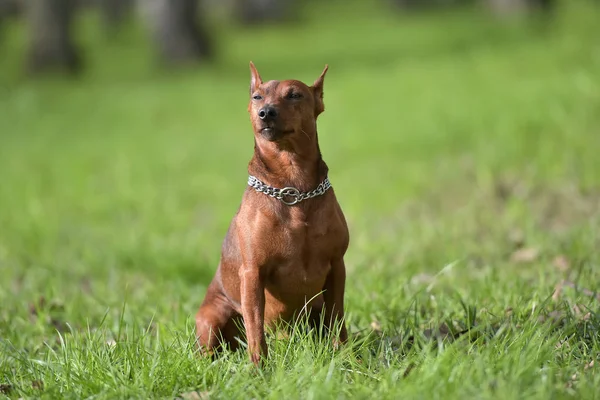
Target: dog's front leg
(253, 312)
(334, 299)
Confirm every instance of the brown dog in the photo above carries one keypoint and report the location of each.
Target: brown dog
(284, 250)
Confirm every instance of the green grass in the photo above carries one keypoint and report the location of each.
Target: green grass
(453, 141)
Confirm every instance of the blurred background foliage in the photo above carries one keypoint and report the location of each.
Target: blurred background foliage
(60, 36)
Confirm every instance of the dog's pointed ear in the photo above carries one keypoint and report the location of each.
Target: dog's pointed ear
(255, 80)
(317, 88)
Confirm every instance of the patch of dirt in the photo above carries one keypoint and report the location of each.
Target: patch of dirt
(525, 255)
(443, 332)
(561, 263)
(6, 388)
(195, 395)
(562, 284)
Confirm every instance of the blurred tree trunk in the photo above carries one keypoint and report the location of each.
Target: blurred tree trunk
(425, 4)
(8, 8)
(544, 5)
(261, 11)
(114, 12)
(178, 33)
(506, 7)
(51, 44)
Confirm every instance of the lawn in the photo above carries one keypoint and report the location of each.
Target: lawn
(464, 152)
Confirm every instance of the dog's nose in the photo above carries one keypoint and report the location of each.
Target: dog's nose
(267, 113)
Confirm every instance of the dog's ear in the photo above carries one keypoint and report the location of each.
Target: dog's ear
(317, 89)
(255, 80)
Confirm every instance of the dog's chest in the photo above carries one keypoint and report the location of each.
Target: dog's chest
(305, 250)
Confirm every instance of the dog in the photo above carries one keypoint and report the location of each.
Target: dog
(284, 250)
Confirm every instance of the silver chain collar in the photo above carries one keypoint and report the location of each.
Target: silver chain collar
(288, 195)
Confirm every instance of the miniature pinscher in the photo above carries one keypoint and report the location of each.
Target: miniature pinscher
(284, 251)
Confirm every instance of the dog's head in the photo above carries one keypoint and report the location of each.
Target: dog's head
(283, 110)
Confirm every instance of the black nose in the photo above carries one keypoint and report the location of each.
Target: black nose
(267, 113)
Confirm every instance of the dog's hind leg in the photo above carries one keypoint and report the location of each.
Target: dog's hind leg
(217, 323)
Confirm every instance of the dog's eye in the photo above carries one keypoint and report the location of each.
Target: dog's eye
(257, 97)
(294, 95)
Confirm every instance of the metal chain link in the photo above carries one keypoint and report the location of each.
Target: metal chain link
(286, 193)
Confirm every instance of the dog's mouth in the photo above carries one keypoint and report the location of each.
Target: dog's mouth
(272, 133)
